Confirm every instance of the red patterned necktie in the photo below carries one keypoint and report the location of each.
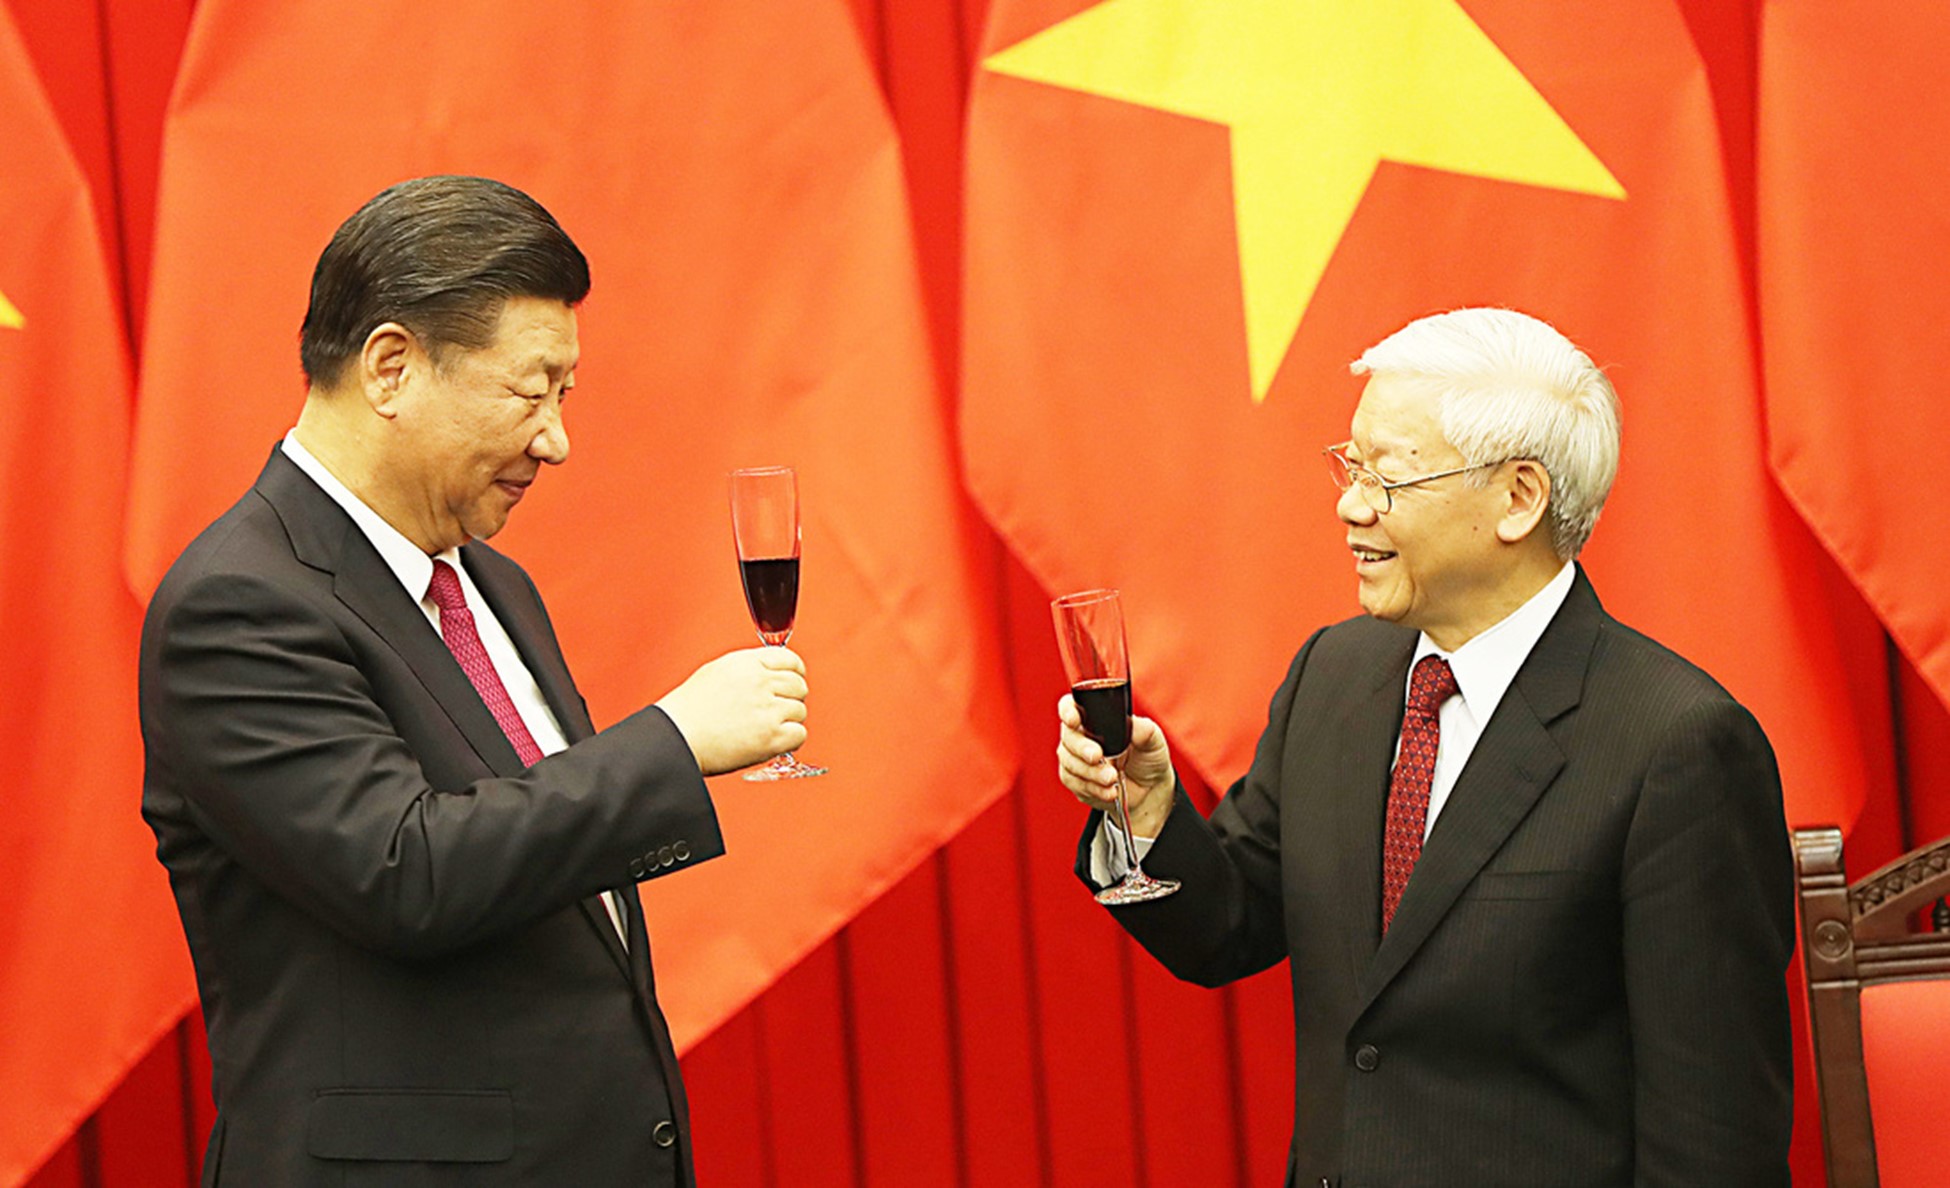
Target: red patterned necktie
(457, 628)
(1408, 789)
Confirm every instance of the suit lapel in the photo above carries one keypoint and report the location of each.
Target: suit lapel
(1513, 763)
(324, 537)
(1369, 730)
(507, 596)
(370, 590)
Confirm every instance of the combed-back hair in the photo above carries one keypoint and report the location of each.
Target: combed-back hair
(1510, 386)
(440, 256)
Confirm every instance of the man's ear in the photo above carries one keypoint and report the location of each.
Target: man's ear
(391, 356)
(1527, 487)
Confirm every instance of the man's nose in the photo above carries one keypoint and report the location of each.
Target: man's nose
(551, 443)
(1353, 508)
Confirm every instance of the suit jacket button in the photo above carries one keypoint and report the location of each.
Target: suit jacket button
(636, 868)
(682, 850)
(664, 1134)
(1367, 1058)
(665, 857)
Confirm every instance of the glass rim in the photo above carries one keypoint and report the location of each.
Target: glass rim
(1086, 597)
(758, 470)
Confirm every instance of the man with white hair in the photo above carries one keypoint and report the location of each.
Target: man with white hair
(1529, 868)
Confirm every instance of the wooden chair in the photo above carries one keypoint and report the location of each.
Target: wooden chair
(1879, 1010)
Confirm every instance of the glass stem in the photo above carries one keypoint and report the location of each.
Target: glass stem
(1124, 820)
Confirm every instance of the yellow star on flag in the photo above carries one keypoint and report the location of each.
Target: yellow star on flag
(1316, 93)
(10, 317)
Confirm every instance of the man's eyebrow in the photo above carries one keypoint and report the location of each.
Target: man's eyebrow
(553, 367)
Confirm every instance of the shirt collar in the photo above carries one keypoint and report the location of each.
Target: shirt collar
(413, 568)
(1488, 663)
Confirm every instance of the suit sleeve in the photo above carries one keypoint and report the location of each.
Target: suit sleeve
(1226, 922)
(255, 709)
(1708, 900)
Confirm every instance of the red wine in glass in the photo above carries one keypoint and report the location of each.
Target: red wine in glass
(1105, 705)
(1090, 635)
(772, 595)
(765, 529)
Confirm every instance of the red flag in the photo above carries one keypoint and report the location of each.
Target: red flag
(1135, 413)
(92, 967)
(732, 175)
(1854, 252)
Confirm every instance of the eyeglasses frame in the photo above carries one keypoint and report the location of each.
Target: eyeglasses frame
(1369, 482)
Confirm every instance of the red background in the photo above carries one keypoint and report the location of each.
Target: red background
(978, 1024)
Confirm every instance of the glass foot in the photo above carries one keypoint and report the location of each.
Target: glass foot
(1136, 887)
(784, 767)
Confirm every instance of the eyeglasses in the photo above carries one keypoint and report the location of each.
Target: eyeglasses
(1377, 492)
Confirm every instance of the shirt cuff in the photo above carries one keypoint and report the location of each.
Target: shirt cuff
(1107, 857)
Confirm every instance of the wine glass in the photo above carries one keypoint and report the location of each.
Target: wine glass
(765, 527)
(1090, 634)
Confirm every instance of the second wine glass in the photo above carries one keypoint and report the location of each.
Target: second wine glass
(1090, 634)
(765, 529)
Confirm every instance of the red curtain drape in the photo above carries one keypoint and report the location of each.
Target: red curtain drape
(979, 1023)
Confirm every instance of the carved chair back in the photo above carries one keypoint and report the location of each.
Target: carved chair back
(1879, 1011)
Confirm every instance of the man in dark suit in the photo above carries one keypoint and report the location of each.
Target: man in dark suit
(1529, 868)
(405, 860)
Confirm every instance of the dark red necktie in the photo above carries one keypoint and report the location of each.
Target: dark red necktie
(457, 628)
(1408, 788)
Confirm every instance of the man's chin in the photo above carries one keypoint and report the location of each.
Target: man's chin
(482, 527)
(1378, 606)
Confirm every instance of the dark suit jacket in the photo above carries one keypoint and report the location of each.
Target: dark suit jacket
(405, 977)
(1583, 985)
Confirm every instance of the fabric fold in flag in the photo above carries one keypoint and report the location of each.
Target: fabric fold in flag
(1853, 297)
(86, 904)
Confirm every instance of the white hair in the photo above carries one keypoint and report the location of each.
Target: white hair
(1510, 386)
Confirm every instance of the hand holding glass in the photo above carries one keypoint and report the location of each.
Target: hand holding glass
(765, 528)
(1090, 634)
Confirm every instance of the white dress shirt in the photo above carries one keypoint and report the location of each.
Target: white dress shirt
(1484, 667)
(414, 569)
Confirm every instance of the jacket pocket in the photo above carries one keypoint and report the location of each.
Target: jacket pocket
(417, 1125)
